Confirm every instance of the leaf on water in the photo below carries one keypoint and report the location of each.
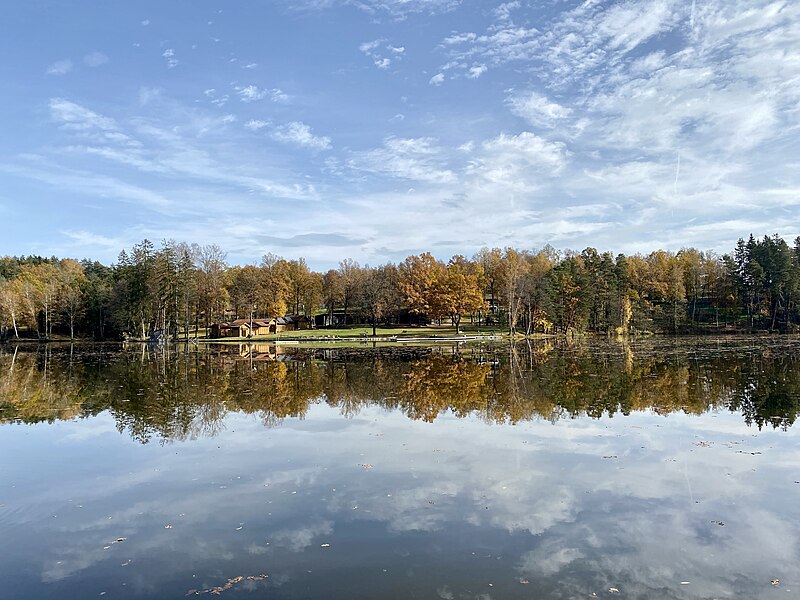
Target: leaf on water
(524, 581)
(230, 583)
(365, 465)
(167, 526)
(613, 590)
(325, 546)
(775, 581)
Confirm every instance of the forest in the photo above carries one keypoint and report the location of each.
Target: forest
(182, 289)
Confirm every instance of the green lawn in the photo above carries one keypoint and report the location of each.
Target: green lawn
(364, 331)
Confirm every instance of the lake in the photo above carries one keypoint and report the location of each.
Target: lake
(646, 469)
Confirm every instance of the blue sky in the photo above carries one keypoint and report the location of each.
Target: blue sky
(374, 129)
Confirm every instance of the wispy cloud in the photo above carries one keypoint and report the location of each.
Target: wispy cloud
(418, 159)
(256, 124)
(504, 11)
(381, 53)
(396, 9)
(299, 134)
(537, 109)
(252, 93)
(95, 59)
(169, 57)
(60, 67)
(87, 124)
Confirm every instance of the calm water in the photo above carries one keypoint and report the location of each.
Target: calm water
(665, 469)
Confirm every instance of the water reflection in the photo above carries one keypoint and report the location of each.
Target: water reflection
(175, 395)
(523, 485)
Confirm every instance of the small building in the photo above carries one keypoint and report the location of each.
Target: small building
(302, 322)
(240, 328)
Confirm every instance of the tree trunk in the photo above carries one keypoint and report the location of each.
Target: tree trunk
(775, 313)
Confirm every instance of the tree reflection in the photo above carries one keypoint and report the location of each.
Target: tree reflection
(173, 395)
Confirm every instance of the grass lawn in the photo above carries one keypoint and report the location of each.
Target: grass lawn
(365, 331)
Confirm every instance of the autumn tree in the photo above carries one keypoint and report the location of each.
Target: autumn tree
(72, 292)
(211, 271)
(275, 285)
(490, 262)
(304, 287)
(570, 302)
(512, 271)
(535, 301)
(457, 291)
(418, 278)
(9, 303)
(379, 293)
(248, 291)
(350, 277)
(332, 292)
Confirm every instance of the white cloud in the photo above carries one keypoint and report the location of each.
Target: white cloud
(377, 51)
(417, 159)
(368, 47)
(252, 93)
(85, 238)
(60, 67)
(95, 59)
(476, 71)
(169, 57)
(300, 134)
(279, 96)
(437, 79)
(576, 41)
(503, 11)
(75, 116)
(256, 124)
(537, 109)
(519, 163)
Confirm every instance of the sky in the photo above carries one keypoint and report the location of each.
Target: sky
(376, 129)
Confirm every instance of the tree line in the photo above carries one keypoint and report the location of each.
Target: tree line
(182, 289)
